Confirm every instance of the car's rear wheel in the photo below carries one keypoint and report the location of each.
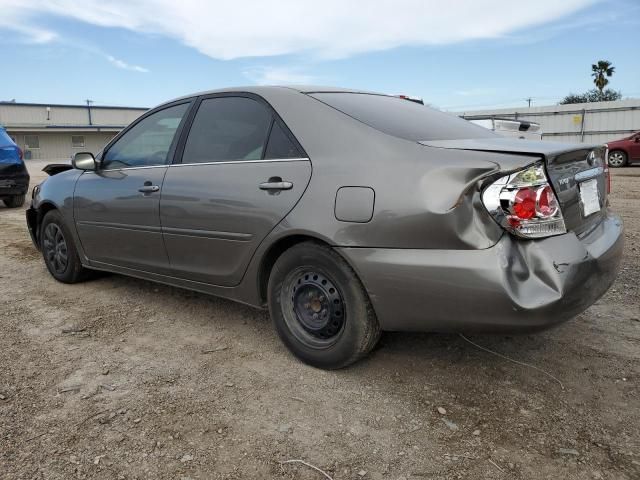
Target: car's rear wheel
(14, 201)
(59, 250)
(617, 158)
(319, 307)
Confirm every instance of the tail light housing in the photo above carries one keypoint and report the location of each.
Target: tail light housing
(524, 204)
(20, 153)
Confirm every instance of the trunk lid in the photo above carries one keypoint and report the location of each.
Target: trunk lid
(576, 172)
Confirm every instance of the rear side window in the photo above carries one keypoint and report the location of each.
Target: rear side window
(402, 118)
(228, 129)
(280, 145)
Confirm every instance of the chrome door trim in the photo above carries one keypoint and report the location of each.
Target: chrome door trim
(126, 168)
(226, 162)
(233, 162)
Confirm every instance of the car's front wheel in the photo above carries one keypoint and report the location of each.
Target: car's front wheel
(617, 158)
(319, 307)
(14, 201)
(59, 250)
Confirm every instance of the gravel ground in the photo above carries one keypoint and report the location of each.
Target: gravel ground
(123, 378)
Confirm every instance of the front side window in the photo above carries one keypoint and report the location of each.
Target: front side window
(31, 141)
(228, 129)
(148, 142)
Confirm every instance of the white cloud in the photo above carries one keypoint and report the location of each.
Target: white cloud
(15, 19)
(278, 76)
(120, 64)
(328, 29)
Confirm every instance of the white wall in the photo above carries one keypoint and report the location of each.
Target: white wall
(36, 115)
(603, 121)
(57, 147)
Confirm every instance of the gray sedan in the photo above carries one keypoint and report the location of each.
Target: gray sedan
(344, 212)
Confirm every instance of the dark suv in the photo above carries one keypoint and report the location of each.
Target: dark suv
(14, 179)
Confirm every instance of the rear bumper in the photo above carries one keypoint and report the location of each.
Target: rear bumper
(14, 185)
(514, 286)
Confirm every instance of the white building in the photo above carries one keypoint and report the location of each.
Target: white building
(598, 122)
(56, 132)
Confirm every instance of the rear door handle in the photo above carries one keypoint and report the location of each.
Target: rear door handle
(149, 189)
(276, 185)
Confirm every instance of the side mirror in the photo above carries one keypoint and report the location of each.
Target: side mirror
(84, 161)
(637, 139)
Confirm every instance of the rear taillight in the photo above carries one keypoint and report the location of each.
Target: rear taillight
(20, 153)
(525, 204)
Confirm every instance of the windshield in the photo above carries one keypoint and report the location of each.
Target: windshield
(401, 118)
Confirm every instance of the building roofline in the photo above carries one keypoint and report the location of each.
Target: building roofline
(55, 127)
(93, 107)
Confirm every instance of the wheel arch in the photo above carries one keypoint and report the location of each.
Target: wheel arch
(277, 248)
(44, 208)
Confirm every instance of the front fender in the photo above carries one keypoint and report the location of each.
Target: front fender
(55, 192)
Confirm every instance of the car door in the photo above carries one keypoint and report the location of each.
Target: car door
(634, 147)
(241, 172)
(117, 207)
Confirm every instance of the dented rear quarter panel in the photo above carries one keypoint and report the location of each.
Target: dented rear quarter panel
(425, 197)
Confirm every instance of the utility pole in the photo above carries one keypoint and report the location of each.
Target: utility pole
(89, 102)
(529, 100)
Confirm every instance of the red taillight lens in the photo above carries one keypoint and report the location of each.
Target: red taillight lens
(20, 153)
(546, 202)
(524, 203)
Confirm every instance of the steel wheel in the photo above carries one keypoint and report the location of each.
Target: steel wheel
(55, 248)
(617, 159)
(318, 308)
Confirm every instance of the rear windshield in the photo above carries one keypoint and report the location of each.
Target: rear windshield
(402, 118)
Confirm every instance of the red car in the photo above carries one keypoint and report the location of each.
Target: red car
(624, 151)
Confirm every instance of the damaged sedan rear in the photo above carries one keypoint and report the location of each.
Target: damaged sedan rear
(344, 212)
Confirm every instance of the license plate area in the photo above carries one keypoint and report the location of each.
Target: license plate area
(589, 197)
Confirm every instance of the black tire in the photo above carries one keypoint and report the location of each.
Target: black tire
(59, 250)
(320, 308)
(14, 201)
(617, 159)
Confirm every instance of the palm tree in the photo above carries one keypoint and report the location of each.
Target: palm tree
(601, 70)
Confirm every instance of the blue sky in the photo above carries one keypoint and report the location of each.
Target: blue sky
(457, 55)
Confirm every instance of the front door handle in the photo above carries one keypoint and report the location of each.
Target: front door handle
(276, 183)
(149, 189)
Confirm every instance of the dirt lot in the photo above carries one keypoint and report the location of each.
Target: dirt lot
(163, 383)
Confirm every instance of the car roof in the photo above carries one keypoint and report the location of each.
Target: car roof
(265, 89)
